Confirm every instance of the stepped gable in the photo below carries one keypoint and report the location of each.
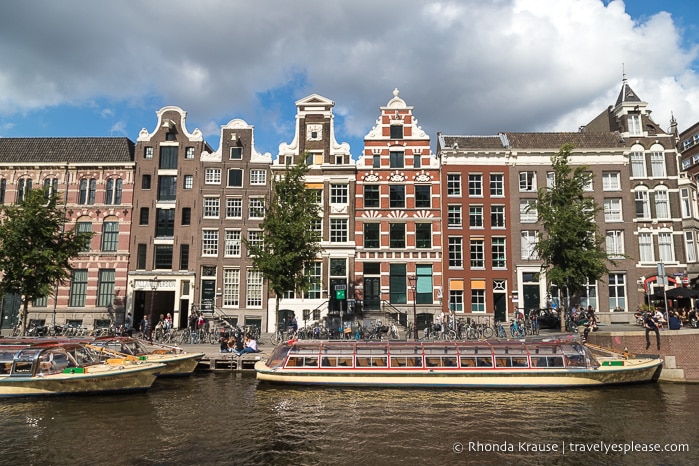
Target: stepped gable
(593, 140)
(70, 150)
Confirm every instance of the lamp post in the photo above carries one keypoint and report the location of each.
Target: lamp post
(412, 279)
(154, 283)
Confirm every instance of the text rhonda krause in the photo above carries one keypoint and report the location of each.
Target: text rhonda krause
(573, 447)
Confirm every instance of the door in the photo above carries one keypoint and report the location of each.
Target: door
(500, 306)
(372, 293)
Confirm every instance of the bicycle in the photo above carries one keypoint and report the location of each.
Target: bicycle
(500, 330)
(517, 328)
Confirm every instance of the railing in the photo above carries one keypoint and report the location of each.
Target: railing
(393, 313)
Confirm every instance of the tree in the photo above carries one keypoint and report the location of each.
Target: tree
(571, 248)
(35, 249)
(289, 238)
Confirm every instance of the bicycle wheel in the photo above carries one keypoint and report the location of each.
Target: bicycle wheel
(488, 332)
(213, 338)
(275, 338)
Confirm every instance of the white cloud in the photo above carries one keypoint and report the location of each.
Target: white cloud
(468, 67)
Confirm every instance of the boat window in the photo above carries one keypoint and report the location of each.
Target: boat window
(310, 361)
(302, 361)
(344, 362)
(441, 361)
(379, 362)
(547, 361)
(476, 361)
(503, 362)
(328, 362)
(277, 357)
(484, 361)
(399, 362)
(333, 361)
(363, 362)
(519, 362)
(575, 360)
(467, 361)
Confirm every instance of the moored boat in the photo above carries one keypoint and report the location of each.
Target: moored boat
(67, 368)
(477, 364)
(178, 363)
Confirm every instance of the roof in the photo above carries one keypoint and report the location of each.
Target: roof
(503, 141)
(626, 94)
(66, 150)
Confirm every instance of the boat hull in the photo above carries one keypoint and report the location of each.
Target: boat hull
(176, 365)
(97, 379)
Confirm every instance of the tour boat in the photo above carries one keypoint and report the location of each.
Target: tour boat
(476, 364)
(68, 368)
(178, 363)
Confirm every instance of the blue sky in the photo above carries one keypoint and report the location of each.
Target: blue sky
(468, 67)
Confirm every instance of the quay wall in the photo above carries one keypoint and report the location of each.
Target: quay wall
(679, 349)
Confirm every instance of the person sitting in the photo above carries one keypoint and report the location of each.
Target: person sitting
(659, 318)
(651, 326)
(674, 322)
(250, 346)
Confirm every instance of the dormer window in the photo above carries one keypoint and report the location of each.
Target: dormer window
(635, 125)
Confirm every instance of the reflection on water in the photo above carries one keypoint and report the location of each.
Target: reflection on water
(230, 419)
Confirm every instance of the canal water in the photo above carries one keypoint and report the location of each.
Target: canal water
(228, 418)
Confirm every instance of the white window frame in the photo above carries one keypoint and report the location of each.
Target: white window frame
(662, 204)
(685, 202)
(212, 176)
(529, 240)
(690, 246)
(611, 181)
(234, 207)
(612, 210)
(256, 208)
(527, 182)
(638, 165)
(614, 241)
(339, 230)
(454, 216)
(657, 165)
(339, 194)
(453, 184)
(231, 287)
(455, 252)
(209, 242)
(635, 125)
(254, 282)
(497, 185)
(641, 196)
(212, 207)
(258, 177)
(475, 185)
(232, 244)
(646, 252)
(666, 247)
(618, 282)
(188, 181)
(527, 211)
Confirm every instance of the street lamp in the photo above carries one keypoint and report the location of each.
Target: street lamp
(412, 279)
(154, 283)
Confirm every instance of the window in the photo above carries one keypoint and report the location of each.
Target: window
(113, 194)
(87, 191)
(141, 252)
(454, 215)
(475, 216)
(612, 210)
(85, 227)
(550, 180)
(477, 300)
(397, 284)
(528, 245)
(453, 184)
(315, 277)
(475, 185)
(497, 184)
(168, 158)
(234, 207)
(527, 181)
(145, 182)
(657, 164)
(40, 302)
(396, 159)
(666, 248)
(235, 178)
(3, 189)
(165, 226)
(423, 196)
(396, 235)
(645, 247)
(396, 196)
(231, 287)
(236, 153)
(167, 188)
(587, 182)
(184, 257)
(614, 241)
(497, 216)
(423, 235)
(78, 288)
(456, 255)
(417, 161)
(638, 165)
(588, 295)
(642, 205)
(376, 161)
(258, 177)
(527, 211)
(635, 125)
(254, 288)
(316, 196)
(186, 215)
(212, 176)
(188, 181)
(498, 253)
(396, 131)
(110, 236)
(477, 254)
(189, 153)
(255, 240)
(662, 207)
(232, 247)
(212, 207)
(105, 287)
(685, 203)
(256, 207)
(339, 193)
(209, 242)
(339, 231)
(163, 256)
(372, 236)
(456, 300)
(611, 181)
(690, 246)
(371, 195)
(617, 291)
(148, 153)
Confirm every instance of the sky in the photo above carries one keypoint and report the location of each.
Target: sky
(472, 67)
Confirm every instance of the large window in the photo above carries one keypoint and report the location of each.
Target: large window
(184, 257)
(497, 184)
(167, 188)
(456, 300)
(372, 236)
(657, 164)
(497, 216)
(232, 244)
(339, 230)
(498, 253)
(397, 159)
(163, 256)
(256, 207)
(617, 291)
(397, 284)
(666, 248)
(615, 244)
(231, 287)
(255, 239)
(423, 235)
(141, 252)
(527, 181)
(611, 181)
(475, 216)
(477, 300)
(258, 177)
(645, 247)
(314, 273)
(145, 181)
(662, 204)
(528, 244)
(212, 176)
(165, 227)
(454, 215)
(588, 295)
(212, 207)
(105, 287)
(527, 211)
(453, 184)
(85, 227)
(456, 252)
(423, 196)
(168, 157)
(638, 165)
(475, 185)
(235, 178)
(110, 236)
(113, 191)
(685, 203)
(396, 131)
(634, 122)
(396, 196)
(87, 191)
(234, 207)
(78, 288)
(477, 254)
(339, 194)
(642, 204)
(612, 210)
(397, 235)
(254, 288)
(690, 246)
(371, 195)
(209, 242)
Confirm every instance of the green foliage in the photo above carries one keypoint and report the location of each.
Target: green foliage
(571, 248)
(35, 249)
(289, 239)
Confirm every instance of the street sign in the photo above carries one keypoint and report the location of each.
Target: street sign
(339, 294)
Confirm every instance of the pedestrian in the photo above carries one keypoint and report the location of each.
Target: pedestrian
(651, 326)
(145, 328)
